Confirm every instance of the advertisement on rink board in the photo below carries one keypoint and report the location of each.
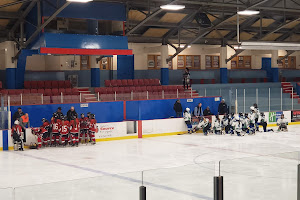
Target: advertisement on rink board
(109, 130)
(295, 115)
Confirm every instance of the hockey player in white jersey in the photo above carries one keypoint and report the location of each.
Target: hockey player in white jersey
(256, 115)
(225, 123)
(282, 123)
(188, 119)
(246, 123)
(217, 125)
(204, 125)
(252, 116)
(237, 126)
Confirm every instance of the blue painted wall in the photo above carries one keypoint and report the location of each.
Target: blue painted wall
(10, 78)
(266, 66)
(91, 10)
(95, 77)
(113, 111)
(164, 79)
(125, 67)
(160, 109)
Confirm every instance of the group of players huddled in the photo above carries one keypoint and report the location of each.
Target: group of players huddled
(60, 132)
(239, 124)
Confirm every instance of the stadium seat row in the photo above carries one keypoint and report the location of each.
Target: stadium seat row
(110, 90)
(46, 84)
(46, 92)
(132, 82)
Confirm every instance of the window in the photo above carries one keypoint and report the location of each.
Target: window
(155, 62)
(188, 61)
(287, 63)
(84, 62)
(241, 62)
(106, 63)
(212, 62)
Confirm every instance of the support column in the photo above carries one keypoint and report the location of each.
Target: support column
(9, 52)
(274, 66)
(223, 65)
(21, 67)
(95, 72)
(164, 65)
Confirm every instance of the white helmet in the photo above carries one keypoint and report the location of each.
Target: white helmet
(17, 122)
(252, 108)
(187, 109)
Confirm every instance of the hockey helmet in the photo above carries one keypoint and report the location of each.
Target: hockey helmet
(252, 108)
(241, 114)
(187, 109)
(82, 115)
(17, 122)
(246, 114)
(92, 116)
(282, 116)
(44, 120)
(262, 114)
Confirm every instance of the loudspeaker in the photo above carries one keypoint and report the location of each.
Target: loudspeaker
(202, 20)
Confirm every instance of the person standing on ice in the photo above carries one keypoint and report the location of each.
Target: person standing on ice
(256, 112)
(264, 123)
(282, 123)
(188, 119)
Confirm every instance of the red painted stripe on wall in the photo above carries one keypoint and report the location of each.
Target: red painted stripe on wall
(46, 50)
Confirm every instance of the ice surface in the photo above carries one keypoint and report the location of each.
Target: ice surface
(180, 167)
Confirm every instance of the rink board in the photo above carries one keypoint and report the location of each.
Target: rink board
(129, 129)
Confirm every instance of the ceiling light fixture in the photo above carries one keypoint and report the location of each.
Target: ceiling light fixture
(172, 7)
(183, 45)
(248, 12)
(268, 46)
(80, 1)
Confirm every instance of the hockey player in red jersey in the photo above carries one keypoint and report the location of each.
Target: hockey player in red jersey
(74, 130)
(64, 131)
(55, 129)
(17, 135)
(84, 128)
(93, 128)
(45, 131)
(37, 132)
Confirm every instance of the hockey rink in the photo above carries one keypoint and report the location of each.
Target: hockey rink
(178, 167)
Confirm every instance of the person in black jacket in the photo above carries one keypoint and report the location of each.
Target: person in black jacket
(178, 108)
(17, 114)
(59, 114)
(207, 112)
(71, 114)
(223, 108)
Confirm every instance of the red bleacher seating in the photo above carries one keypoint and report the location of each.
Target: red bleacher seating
(41, 84)
(124, 83)
(27, 84)
(48, 85)
(68, 84)
(54, 84)
(34, 85)
(107, 83)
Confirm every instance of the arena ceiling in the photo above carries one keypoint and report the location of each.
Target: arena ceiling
(279, 20)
